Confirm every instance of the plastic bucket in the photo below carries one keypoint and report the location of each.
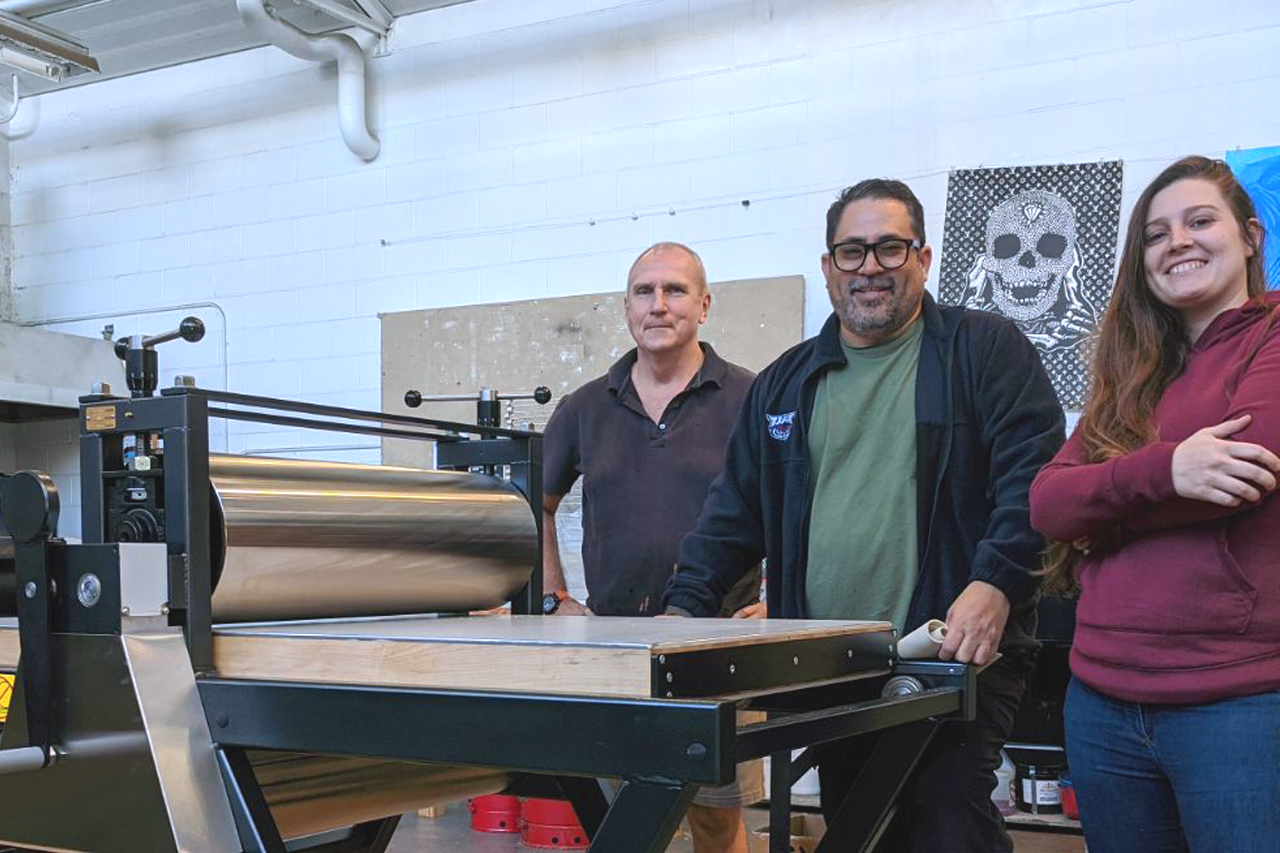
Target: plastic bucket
(551, 825)
(495, 813)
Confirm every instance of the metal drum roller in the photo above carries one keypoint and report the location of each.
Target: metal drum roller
(308, 794)
(299, 539)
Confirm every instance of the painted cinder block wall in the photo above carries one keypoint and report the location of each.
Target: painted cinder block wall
(530, 149)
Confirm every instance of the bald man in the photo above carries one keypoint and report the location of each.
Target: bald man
(648, 438)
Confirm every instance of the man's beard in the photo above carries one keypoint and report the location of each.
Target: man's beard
(869, 321)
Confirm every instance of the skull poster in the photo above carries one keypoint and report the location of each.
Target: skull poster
(1036, 244)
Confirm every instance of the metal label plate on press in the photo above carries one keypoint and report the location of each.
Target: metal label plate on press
(99, 417)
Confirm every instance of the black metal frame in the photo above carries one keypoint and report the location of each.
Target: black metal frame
(948, 692)
(181, 416)
(725, 670)
(663, 748)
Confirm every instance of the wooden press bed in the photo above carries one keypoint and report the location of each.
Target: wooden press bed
(602, 656)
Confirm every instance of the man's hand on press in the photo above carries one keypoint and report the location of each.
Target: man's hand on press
(756, 610)
(975, 622)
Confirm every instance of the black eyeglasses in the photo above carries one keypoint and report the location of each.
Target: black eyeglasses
(890, 254)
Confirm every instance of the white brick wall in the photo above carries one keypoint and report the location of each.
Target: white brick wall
(508, 126)
(51, 446)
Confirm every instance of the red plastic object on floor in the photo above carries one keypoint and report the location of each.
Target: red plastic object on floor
(1070, 805)
(495, 813)
(551, 825)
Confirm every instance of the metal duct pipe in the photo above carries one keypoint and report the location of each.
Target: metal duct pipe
(297, 539)
(308, 794)
(335, 46)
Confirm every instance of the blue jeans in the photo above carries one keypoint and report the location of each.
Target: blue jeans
(1176, 778)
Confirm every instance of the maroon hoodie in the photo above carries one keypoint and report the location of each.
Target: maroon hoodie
(1182, 603)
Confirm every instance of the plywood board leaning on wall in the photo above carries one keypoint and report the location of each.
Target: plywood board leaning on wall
(561, 343)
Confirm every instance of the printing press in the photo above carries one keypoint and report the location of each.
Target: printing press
(260, 655)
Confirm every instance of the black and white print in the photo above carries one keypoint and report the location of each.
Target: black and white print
(1036, 244)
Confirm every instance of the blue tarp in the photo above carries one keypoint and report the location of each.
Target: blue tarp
(1259, 170)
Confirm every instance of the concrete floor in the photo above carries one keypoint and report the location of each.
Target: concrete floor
(451, 833)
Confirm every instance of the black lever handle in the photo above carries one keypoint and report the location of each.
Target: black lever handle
(190, 329)
(414, 399)
(142, 370)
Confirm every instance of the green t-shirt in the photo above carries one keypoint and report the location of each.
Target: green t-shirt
(862, 561)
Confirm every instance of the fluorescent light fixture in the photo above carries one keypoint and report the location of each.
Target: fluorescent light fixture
(40, 50)
(30, 64)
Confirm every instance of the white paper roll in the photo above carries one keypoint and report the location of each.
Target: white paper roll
(923, 643)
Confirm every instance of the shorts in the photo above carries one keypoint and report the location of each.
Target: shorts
(745, 790)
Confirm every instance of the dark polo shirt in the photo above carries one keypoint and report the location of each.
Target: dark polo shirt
(643, 482)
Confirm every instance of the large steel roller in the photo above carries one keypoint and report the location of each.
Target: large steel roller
(306, 540)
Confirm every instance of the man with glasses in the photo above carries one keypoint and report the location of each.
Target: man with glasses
(883, 469)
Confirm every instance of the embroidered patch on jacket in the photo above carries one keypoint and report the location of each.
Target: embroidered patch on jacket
(780, 425)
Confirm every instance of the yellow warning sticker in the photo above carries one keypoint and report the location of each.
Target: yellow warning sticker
(6, 691)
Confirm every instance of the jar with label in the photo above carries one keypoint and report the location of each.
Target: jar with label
(1036, 786)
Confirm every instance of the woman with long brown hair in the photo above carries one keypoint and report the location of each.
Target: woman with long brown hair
(1162, 510)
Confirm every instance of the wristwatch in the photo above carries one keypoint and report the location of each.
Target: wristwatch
(551, 601)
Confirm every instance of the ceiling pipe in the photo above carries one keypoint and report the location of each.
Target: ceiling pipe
(338, 47)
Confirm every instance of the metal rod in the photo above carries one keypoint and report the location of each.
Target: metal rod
(312, 448)
(354, 414)
(780, 802)
(414, 398)
(792, 731)
(469, 398)
(24, 759)
(307, 423)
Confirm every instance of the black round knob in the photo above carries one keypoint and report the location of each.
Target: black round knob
(29, 506)
(122, 348)
(191, 329)
(413, 399)
(542, 394)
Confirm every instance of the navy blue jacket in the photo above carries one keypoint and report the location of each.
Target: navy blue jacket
(987, 419)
